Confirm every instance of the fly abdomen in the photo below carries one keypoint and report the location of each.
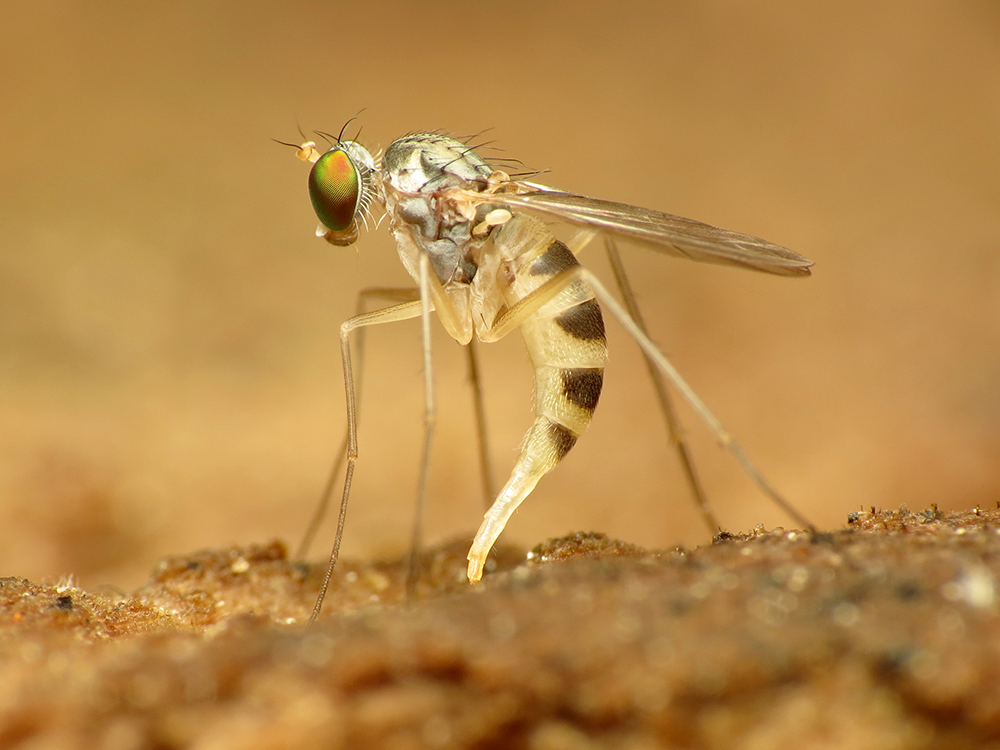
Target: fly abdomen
(568, 350)
(567, 347)
(565, 338)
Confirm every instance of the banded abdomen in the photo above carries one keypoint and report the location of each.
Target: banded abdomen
(568, 350)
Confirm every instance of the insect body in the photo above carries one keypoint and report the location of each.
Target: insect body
(474, 241)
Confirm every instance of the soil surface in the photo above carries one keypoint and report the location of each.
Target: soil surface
(884, 634)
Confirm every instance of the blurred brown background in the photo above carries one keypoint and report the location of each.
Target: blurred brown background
(169, 370)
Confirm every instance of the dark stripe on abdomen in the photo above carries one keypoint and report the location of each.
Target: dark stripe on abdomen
(583, 321)
(562, 439)
(582, 386)
(557, 258)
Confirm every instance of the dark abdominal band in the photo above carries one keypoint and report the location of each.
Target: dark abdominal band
(583, 321)
(562, 438)
(582, 386)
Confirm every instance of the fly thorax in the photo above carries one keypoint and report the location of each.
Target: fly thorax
(431, 162)
(419, 173)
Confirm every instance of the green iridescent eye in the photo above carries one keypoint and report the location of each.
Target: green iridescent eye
(335, 187)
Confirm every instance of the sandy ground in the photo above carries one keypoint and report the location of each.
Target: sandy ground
(882, 635)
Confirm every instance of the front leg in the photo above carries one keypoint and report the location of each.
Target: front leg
(403, 311)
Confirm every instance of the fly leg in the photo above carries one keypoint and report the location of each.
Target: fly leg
(425, 306)
(402, 311)
(724, 437)
(431, 298)
(674, 428)
(485, 468)
(392, 294)
(388, 294)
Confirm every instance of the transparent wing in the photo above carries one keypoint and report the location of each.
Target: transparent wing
(665, 232)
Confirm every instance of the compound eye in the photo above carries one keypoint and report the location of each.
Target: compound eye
(335, 189)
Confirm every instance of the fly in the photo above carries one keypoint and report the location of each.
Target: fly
(474, 240)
